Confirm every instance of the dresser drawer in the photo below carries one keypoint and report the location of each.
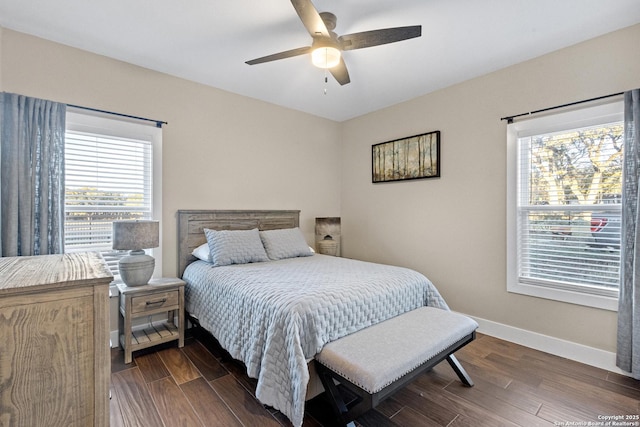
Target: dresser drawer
(158, 300)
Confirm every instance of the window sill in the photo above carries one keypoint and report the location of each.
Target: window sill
(596, 301)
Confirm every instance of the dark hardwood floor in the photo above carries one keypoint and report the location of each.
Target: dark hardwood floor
(199, 385)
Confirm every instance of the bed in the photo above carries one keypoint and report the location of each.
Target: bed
(276, 314)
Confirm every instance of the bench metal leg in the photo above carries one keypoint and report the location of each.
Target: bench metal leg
(459, 370)
(335, 398)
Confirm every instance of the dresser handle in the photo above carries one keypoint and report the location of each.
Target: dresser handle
(159, 302)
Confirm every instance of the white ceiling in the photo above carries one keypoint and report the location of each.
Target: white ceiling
(209, 41)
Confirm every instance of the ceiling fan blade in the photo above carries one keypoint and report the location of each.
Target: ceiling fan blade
(378, 37)
(340, 73)
(310, 18)
(280, 55)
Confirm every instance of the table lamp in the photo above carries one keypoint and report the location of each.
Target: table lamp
(137, 267)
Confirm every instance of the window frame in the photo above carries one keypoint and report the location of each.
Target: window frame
(99, 123)
(551, 122)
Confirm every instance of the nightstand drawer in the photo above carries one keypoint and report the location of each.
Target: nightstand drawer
(154, 302)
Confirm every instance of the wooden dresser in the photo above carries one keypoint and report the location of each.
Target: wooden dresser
(54, 340)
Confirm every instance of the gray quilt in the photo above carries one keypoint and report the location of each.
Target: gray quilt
(274, 316)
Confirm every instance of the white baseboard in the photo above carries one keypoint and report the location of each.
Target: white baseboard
(113, 336)
(569, 350)
(580, 353)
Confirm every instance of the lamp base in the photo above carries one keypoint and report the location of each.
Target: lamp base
(136, 268)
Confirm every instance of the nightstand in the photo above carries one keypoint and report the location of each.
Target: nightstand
(164, 295)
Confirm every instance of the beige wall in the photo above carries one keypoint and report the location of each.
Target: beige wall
(220, 150)
(226, 151)
(453, 228)
(1, 34)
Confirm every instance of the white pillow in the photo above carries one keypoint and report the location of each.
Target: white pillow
(235, 246)
(202, 252)
(284, 243)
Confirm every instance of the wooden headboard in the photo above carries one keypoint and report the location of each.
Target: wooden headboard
(191, 225)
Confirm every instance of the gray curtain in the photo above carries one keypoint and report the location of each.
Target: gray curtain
(31, 175)
(628, 354)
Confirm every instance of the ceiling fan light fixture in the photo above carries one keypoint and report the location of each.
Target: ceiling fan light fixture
(325, 57)
(326, 46)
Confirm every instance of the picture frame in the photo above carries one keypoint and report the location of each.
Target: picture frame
(413, 157)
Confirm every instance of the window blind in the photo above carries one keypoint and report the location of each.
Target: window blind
(107, 178)
(569, 212)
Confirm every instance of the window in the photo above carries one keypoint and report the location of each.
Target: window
(110, 174)
(564, 206)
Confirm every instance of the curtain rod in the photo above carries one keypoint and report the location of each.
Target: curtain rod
(509, 119)
(158, 123)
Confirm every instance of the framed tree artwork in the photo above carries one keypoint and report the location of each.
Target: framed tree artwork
(413, 157)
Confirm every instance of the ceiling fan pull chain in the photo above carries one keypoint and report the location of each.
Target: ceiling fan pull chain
(326, 80)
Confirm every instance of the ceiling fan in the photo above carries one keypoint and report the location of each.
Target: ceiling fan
(327, 46)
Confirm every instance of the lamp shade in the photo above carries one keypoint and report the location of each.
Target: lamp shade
(136, 234)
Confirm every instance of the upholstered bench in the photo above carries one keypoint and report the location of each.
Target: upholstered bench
(376, 361)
